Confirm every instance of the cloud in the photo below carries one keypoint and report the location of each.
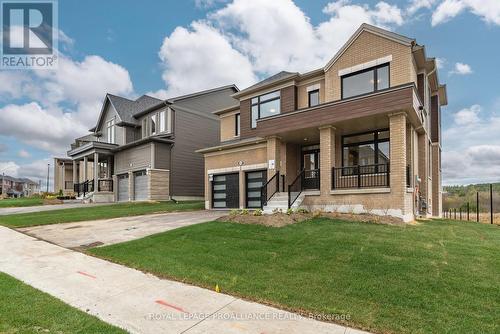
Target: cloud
(9, 168)
(205, 4)
(468, 116)
(466, 158)
(461, 69)
(247, 40)
(416, 5)
(3, 148)
(488, 10)
(23, 154)
(440, 62)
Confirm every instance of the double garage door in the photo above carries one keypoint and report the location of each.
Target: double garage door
(226, 190)
(140, 187)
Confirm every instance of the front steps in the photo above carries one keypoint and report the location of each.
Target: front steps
(279, 201)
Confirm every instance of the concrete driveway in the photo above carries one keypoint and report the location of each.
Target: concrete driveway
(111, 231)
(40, 208)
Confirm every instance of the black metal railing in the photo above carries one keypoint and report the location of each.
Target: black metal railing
(84, 187)
(295, 188)
(408, 176)
(271, 187)
(68, 184)
(311, 179)
(105, 185)
(367, 176)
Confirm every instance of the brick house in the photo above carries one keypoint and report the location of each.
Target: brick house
(361, 134)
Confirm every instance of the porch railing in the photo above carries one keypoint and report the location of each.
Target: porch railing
(68, 184)
(105, 185)
(271, 187)
(84, 187)
(311, 179)
(366, 176)
(295, 188)
(408, 176)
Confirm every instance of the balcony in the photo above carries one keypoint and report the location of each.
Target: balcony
(356, 177)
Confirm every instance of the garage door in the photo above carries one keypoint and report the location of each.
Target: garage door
(226, 191)
(140, 186)
(123, 188)
(254, 182)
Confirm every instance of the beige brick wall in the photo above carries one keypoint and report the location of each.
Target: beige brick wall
(368, 47)
(227, 126)
(327, 161)
(159, 184)
(437, 207)
(423, 156)
(274, 153)
(302, 94)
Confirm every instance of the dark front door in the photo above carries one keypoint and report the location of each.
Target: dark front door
(310, 164)
(226, 191)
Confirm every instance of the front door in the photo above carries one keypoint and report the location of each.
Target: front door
(310, 164)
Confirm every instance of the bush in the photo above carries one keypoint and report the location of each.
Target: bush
(244, 212)
(277, 210)
(234, 212)
(257, 212)
(289, 211)
(301, 210)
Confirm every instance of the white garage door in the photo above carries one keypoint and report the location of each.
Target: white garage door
(141, 186)
(123, 188)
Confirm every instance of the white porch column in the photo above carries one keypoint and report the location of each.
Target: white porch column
(96, 171)
(85, 169)
(63, 187)
(327, 157)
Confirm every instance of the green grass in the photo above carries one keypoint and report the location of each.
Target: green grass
(96, 212)
(434, 277)
(24, 309)
(19, 202)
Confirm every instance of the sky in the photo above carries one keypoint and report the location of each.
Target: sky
(167, 48)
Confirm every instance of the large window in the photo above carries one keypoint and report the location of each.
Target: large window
(366, 81)
(110, 131)
(165, 120)
(153, 120)
(265, 106)
(366, 149)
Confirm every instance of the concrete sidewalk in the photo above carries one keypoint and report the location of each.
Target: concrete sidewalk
(111, 231)
(39, 208)
(138, 302)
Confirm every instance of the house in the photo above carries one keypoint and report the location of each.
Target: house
(144, 149)
(361, 134)
(17, 187)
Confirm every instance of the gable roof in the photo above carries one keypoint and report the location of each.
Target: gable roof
(374, 30)
(283, 75)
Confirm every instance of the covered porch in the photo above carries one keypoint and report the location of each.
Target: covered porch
(93, 170)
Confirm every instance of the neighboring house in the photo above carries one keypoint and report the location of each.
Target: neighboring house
(17, 187)
(144, 149)
(361, 134)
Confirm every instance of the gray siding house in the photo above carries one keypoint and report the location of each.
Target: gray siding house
(144, 149)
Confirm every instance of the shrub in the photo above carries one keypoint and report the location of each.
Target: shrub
(244, 212)
(301, 210)
(234, 212)
(289, 211)
(277, 210)
(257, 212)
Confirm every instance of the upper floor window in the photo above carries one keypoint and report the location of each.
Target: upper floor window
(144, 127)
(110, 131)
(237, 125)
(264, 106)
(153, 120)
(313, 97)
(165, 119)
(365, 81)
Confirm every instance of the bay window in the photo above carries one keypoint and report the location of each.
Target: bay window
(264, 106)
(365, 81)
(110, 131)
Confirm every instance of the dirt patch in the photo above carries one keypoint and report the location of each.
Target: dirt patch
(52, 201)
(283, 219)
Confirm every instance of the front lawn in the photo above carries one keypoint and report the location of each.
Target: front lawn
(433, 277)
(24, 309)
(19, 202)
(97, 212)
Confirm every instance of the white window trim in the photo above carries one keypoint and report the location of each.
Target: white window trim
(313, 87)
(365, 66)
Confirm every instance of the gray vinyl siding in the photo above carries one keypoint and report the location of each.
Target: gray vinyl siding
(134, 158)
(130, 135)
(192, 132)
(162, 156)
(110, 114)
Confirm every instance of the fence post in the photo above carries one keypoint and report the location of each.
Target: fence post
(477, 206)
(455, 213)
(460, 212)
(491, 203)
(468, 210)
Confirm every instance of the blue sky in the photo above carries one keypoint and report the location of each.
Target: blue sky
(172, 47)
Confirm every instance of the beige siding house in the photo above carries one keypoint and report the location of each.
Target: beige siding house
(361, 134)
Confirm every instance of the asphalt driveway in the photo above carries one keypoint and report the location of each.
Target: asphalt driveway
(81, 235)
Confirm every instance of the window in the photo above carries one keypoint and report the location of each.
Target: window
(236, 125)
(366, 81)
(165, 120)
(144, 127)
(370, 148)
(313, 97)
(264, 106)
(110, 131)
(153, 124)
(162, 117)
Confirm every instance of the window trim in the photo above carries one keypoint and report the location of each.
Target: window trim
(309, 93)
(259, 102)
(375, 141)
(153, 120)
(237, 124)
(110, 131)
(375, 79)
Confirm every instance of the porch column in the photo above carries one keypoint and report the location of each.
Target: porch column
(84, 169)
(273, 155)
(75, 171)
(63, 187)
(423, 163)
(326, 158)
(96, 171)
(397, 179)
